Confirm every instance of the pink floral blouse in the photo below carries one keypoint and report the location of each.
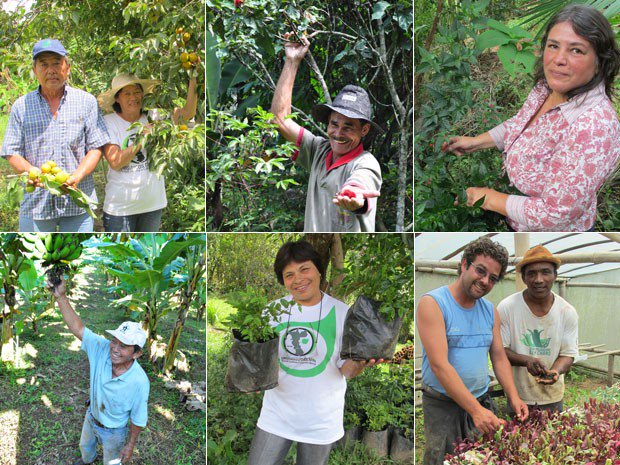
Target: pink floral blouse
(560, 161)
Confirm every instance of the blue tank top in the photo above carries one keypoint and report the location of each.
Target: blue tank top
(469, 332)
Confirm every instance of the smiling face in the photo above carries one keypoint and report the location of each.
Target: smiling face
(130, 99)
(478, 279)
(539, 279)
(51, 70)
(121, 354)
(345, 133)
(303, 281)
(569, 60)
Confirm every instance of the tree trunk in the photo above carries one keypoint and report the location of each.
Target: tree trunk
(200, 314)
(322, 243)
(171, 350)
(403, 152)
(337, 261)
(7, 350)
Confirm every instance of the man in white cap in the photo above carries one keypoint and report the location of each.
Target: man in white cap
(119, 387)
(56, 123)
(344, 178)
(539, 331)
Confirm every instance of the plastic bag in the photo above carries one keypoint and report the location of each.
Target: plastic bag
(252, 366)
(367, 334)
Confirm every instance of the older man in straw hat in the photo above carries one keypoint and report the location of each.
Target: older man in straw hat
(135, 196)
(344, 178)
(539, 332)
(55, 123)
(119, 387)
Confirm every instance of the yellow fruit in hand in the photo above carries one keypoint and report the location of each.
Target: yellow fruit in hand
(184, 57)
(30, 188)
(52, 163)
(62, 177)
(34, 173)
(186, 37)
(46, 168)
(56, 170)
(186, 65)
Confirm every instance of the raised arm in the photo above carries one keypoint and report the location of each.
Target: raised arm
(432, 332)
(282, 97)
(72, 320)
(185, 114)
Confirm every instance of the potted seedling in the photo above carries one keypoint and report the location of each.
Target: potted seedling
(371, 330)
(379, 415)
(253, 357)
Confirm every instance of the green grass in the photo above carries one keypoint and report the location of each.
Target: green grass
(218, 311)
(49, 389)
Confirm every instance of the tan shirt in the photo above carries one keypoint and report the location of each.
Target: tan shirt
(545, 338)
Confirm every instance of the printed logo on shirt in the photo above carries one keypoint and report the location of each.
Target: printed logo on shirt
(535, 343)
(306, 347)
(139, 160)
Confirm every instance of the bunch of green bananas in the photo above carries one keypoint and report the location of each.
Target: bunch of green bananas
(55, 248)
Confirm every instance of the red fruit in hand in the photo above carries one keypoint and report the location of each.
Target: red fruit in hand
(238, 3)
(348, 193)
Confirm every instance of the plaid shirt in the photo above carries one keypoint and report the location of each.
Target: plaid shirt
(34, 133)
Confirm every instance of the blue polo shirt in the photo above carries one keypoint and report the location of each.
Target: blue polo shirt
(113, 401)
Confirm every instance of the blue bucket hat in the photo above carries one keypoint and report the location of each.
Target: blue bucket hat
(48, 45)
(352, 102)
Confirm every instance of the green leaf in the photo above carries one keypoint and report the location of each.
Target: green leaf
(479, 202)
(527, 58)
(379, 10)
(491, 38)
(29, 278)
(507, 54)
(233, 73)
(499, 27)
(212, 70)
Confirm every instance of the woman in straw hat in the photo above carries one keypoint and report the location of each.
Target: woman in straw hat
(134, 196)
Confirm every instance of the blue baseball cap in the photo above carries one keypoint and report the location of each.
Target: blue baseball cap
(48, 45)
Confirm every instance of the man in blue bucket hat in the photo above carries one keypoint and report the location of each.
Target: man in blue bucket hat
(56, 123)
(345, 179)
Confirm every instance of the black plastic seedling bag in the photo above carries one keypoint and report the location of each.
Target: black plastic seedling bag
(367, 334)
(252, 366)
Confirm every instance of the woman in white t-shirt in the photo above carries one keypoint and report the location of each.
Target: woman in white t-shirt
(307, 406)
(134, 196)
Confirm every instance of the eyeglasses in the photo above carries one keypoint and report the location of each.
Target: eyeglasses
(482, 272)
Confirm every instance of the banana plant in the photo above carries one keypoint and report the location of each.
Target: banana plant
(192, 280)
(145, 265)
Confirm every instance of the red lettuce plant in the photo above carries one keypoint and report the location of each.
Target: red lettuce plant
(588, 436)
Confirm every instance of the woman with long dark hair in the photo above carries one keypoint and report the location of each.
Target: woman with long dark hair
(564, 142)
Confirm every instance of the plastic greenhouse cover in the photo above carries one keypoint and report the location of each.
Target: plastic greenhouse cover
(439, 246)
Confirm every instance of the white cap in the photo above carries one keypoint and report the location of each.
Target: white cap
(129, 333)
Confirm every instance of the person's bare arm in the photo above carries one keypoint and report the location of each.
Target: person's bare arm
(503, 371)
(283, 95)
(119, 158)
(86, 166)
(19, 164)
(353, 368)
(185, 114)
(127, 452)
(72, 320)
(432, 332)
(461, 145)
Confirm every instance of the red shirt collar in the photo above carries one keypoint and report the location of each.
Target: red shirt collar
(344, 159)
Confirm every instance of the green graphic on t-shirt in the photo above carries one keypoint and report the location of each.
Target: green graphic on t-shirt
(536, 344)
(301, 341)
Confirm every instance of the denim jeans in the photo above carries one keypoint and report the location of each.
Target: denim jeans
(79, 223)
(141, 222)
(269, 449)
(111, 439)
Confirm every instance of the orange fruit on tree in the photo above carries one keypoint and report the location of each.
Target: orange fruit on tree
(186, 37)
(186, 65)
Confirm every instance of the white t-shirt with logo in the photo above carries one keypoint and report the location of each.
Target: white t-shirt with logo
(133, 189)
(308, 403)
(545, 338)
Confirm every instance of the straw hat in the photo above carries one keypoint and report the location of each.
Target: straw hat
(537, 254)
(106, 99)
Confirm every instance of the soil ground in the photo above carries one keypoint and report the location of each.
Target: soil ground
(42, 402)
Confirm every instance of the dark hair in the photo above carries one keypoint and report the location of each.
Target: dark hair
(590, 24)
(296, 252)
(485, 246)
(116, 106)
(136, 348)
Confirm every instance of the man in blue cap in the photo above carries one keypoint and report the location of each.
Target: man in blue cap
(56, 123)
(119, 387)
(344, 178)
